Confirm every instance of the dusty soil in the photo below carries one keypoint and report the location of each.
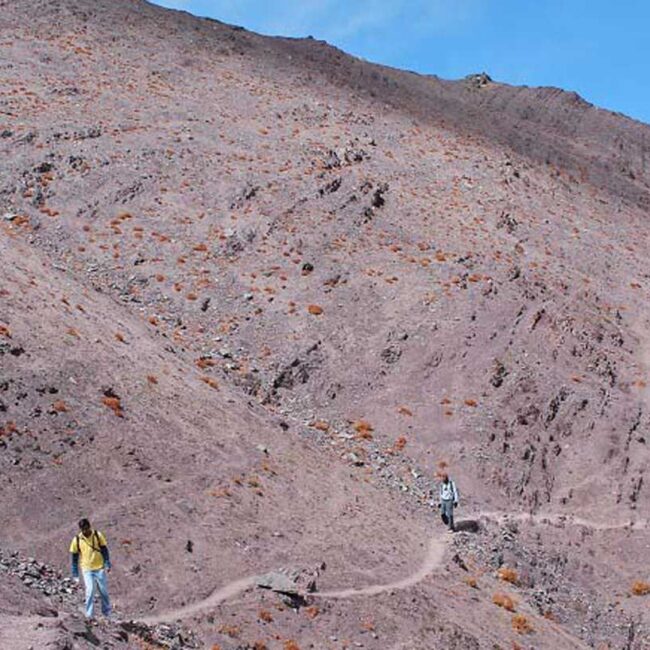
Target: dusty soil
(255, 294)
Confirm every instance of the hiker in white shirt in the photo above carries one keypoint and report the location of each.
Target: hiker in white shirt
(448, 500)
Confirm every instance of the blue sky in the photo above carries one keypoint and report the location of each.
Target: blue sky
(599, 48)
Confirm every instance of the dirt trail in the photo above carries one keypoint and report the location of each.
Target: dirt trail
(432, 561)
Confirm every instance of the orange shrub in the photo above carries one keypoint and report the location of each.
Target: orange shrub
(403, 410)
(321, 425)
(152, 379)
(507, 575)
(471, 581)
(60, 406)
(210, 382)
(315, 310)
(470, 402)
(364, 430)
(265, 616)
(505, 601)
(4, 331)
(521, 624)
(312, 611)
(120, 337)
(640, 588)
(205, 362)
(291, 645)
(114, 404)
(229, 630)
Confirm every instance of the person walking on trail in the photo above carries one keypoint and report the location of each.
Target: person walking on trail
(90, 550)
(448, 500)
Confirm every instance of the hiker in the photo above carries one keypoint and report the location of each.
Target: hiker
(448, 500)
(89, 548)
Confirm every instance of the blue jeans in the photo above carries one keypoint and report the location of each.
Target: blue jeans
(96, 581)
(447, 508)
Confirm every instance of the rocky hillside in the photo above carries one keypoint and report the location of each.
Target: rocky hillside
(256, 294)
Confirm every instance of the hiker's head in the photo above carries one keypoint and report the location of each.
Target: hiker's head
(445, 478)
(84, 526)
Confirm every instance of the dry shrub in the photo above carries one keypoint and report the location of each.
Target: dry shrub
(521, 624)
(471, 581)
(265, 615)
(505, 601)
(229, 630)
(364, 430)
(152, 379)
(312, 611)
(5, 331)
(400, 443)
(205, 362)
(153, 320)
(470, 402)
(72, 332)
(507, 575)
(120, 337)
(210, 382)
(315, 310)
(290, 645)
(640, 588)
(60, 406)
(114, 404)
(221, 492)
(200, 248)
(404, 410)
(260, 645)
(321, 425)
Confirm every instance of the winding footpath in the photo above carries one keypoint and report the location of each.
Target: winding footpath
(432, 561)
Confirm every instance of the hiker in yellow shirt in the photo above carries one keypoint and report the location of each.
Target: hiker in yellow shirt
(89, 548)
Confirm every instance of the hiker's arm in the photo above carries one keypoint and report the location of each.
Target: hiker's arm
(74, 560)
(107, 559)
(456, 495)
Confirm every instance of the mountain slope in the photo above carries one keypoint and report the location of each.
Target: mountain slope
(264, 244)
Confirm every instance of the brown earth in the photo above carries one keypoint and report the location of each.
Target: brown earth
(256, 293)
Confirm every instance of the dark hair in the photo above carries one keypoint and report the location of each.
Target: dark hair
(84, 523)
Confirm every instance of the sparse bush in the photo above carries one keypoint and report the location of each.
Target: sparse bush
(471, 581)
(640, 588)
(114, 404)
(505, 601)
(315, 310)
(290, 645)
(229, 630)
(364, 430)
(60, 406)
(400, 443)
(521, 624)
(152, 379)
(265, 615)
(507, 575)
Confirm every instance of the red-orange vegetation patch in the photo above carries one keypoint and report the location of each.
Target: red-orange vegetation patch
(400, 443)
(265, 615)
(60, 406)
(404, 410)
(445, 400)
(521, 624)
(315, 310)
(210, 382)
(192, 296)
(640, 588)
(72, 332)
(153, 320)
(160, 277)
(229, 630)
(205, 362)
(5, 331)
(152, 379)
(290, 645)
(364, 430)
(471, 402)
(220, 492)
(505, 601)
(321, 425)
(471, 581)
(114, 404)
(508, 575)
(312, 611)
(120, 337)
(200, 248)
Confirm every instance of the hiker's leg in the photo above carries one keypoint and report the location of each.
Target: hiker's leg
(451, 516)
(102, 585)
(446, 510)
(89, 584)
